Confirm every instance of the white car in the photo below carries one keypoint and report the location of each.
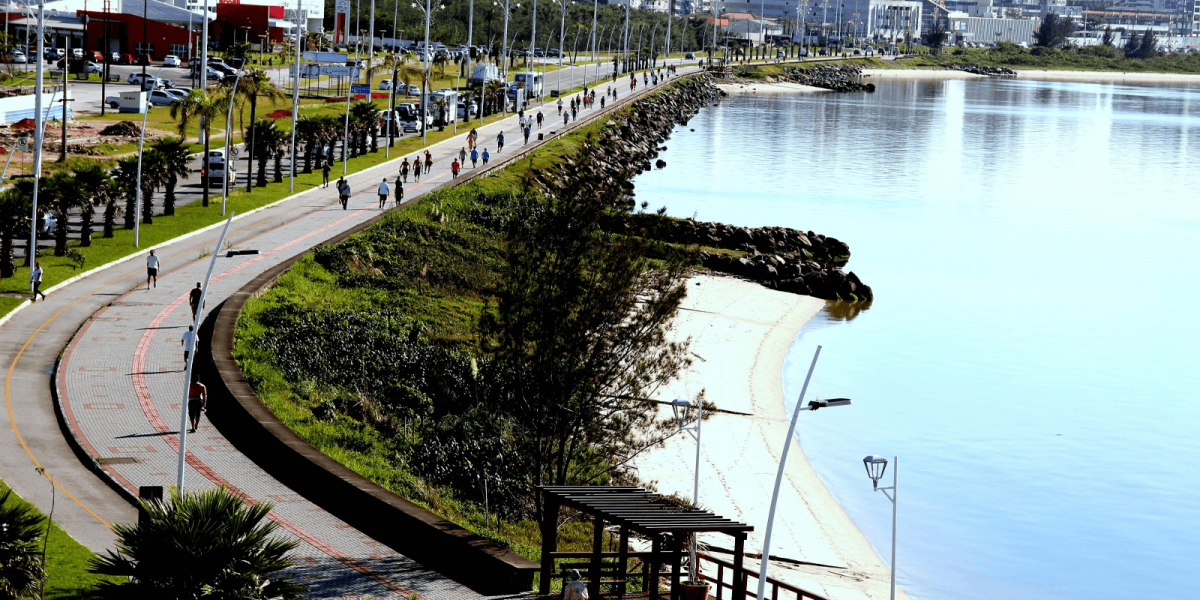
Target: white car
(18, 57)
(385, 85)
(162, 98)
(171, 60)
(414, 90)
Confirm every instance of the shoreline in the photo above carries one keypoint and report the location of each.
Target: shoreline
(741, 333)
(762, 87)
(1041, 75)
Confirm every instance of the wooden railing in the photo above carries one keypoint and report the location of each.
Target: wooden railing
(774, 586)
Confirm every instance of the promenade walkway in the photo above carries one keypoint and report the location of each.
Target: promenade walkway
(119, 383)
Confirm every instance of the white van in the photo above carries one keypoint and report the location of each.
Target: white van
(217, 170)
(529, 81)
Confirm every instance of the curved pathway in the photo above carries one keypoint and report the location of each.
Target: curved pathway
(119, 385)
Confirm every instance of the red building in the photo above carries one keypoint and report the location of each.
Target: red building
(238, 22)
(131, 34)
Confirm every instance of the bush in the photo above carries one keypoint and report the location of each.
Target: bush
(207, 543)
(21, 569)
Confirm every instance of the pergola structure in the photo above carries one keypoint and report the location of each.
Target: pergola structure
(631, 510)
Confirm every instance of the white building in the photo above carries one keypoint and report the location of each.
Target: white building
(313, 11)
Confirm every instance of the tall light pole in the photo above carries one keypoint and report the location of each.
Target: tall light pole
(787, 444)
(187, 377)
(295, 96)
(228, 124)
(346, 127)
(682, 410)
(876, 467)
(425, 74)
(595, 42)
(38, 135)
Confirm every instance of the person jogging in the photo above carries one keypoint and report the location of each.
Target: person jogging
(540, 118)
(35, 277)
(197, 401)
(343, 192)
(428, 162)
(404, 170)
(499, 144)
(194, 300)
(383, 192)
(485, 156)
(152, 264)
(325, 175)
(474, 158)
(454, 167)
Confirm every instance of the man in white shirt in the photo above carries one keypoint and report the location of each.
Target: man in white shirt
(35, 279)
(576, 589)
(189, 342)
(152, 264)
(383, 192)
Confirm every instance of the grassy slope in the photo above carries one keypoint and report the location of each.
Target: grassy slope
(450, 314)
(1042, 58)
(66, 562)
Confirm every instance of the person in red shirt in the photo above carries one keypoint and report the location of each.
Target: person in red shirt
(454, 166)
(197, 401)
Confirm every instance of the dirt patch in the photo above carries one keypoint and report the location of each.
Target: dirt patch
(122, 128)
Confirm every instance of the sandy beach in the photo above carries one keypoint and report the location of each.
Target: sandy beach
(767, 88)
(920, 74)
(740, 335)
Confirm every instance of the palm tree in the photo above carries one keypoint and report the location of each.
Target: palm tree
(279, 147)
(367, 117)
(308, 130)
(174, 158)
(21, 568)
(268, 135)
(126, 181)
(494, 96)
(15, 206)
(93, 177)
(60, 192)
(257, 84)
(205, 106)
(209, 542)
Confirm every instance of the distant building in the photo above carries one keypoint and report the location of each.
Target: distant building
(990, 31)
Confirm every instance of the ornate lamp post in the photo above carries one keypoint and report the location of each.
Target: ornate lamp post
(876, 467)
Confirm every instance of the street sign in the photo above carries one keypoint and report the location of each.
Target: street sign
(342, 6)
(330, 70)
(326, 57)
(360, 88)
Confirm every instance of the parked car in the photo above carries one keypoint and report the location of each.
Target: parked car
(411, 119)
(171, 60)
(211, 72)
(127, 59)
(162, 98)
(466, 112)
(414, 90)
(147, 81)
(16, 57)
(690, 56)
(77, 52)
(177, 92)
(94, 56)
(385, 85)
(216, 170)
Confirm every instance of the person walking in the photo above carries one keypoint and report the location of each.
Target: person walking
(601, 102)
(462, 156)
(566, 118)
(35, 277)
(325, 176)
(399, 192)
(472, 138)
(454, 168)
(343, 192)
(485, 156)
(560, 105)
(189, 342)
(540, 118)
(474, 158)
(416, 165)
(404, 170)
(152, 264)
(197, 401)
(527, 131)
(428, 162)
(574, 112)
(383, 192)
(499, 145)
(194, 300)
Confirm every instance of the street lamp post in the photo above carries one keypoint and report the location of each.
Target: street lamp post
(228, 161)
(787, 444)
(187, 378)
(295, 97)
(682, 410)
(876, 467)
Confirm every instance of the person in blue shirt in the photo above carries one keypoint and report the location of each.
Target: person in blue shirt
(474, 158)
(526, 134)
(499, 144)
(485, 156)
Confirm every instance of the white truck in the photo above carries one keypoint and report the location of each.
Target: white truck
(217, 170)
(529, 82)
(484, 73)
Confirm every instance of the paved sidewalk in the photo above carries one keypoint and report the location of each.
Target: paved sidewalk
(120, 386)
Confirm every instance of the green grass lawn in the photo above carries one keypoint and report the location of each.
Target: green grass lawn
(66, 562)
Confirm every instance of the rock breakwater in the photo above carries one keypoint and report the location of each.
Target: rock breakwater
(785, 259)
(984, 70)
(837, 78)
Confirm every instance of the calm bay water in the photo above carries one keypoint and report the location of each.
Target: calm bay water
(1031, 354)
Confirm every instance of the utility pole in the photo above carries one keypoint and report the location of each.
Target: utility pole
(295, 94)
(38, 118)
(66, 68)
